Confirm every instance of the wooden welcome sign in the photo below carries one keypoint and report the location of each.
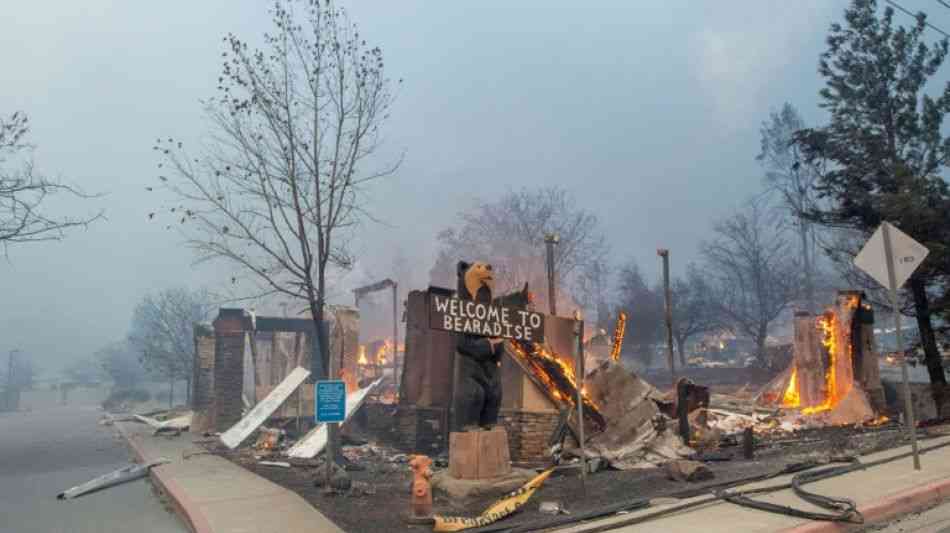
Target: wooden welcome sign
(448, 313)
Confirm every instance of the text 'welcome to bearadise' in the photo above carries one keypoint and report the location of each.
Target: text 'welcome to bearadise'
(475, 318)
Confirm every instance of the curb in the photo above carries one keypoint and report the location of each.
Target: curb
(887, 508)
(185, 508)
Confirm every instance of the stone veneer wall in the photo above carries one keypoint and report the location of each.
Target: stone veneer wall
(528, 433)
(419, 430)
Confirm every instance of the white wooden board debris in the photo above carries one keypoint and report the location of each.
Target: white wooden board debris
(280, 464)
(178, 423)
(240, 431)
(313, 442)
(122, 475)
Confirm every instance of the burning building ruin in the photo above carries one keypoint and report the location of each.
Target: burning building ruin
(834, 377)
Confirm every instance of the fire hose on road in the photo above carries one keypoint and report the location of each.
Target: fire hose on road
(801, 478)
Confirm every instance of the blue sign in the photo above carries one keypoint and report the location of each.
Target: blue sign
(330, 401)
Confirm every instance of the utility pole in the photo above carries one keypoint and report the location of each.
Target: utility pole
(665, 255)
(550, 241)
(11, 403)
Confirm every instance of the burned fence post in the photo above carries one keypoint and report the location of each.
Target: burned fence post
(682, 408)
(748, 443)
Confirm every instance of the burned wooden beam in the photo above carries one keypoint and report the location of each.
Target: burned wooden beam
(551, 377)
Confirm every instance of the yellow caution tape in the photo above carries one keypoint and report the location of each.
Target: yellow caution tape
(505, 506)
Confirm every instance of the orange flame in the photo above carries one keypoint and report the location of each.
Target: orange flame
(381, 353)
(566, 368)
(791, 397)
(619, 331)
(362, 361)
(827, 324)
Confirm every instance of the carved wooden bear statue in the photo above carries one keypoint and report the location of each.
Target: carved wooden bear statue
(479, 394)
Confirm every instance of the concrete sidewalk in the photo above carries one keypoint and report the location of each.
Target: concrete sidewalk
(882, 493)
(213, 495)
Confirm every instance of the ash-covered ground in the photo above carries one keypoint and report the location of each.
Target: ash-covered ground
(381, 477)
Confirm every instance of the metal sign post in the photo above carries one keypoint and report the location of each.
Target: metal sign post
(895, 309)
(902, 255)
(329, 397)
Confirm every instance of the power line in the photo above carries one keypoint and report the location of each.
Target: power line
(944, 4)
(898, 6)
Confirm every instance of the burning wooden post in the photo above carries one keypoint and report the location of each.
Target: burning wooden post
(805, 384)
(834, 366)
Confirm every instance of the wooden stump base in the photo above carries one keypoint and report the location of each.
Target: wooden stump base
(479, 454)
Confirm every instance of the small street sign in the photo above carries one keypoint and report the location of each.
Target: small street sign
(908, 255)
(890, 257)
(330, 400)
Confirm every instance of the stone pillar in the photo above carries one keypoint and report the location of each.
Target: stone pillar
(228, 368)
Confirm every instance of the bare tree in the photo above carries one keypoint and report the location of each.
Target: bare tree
(794, 177)
(755, 276)
(694, 311)
(509, 232)
(281, 182)
(118, 361)
(645, 311)
(162, 332)
(593, 290)
(23, 190)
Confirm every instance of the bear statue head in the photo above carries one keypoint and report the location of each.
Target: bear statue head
(475, 281)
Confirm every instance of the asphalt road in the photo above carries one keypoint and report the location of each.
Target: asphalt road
(48, 450)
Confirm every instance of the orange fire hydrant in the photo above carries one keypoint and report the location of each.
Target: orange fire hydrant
(421, 501)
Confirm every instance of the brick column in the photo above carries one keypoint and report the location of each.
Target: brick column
(202, 382)
(228, 368)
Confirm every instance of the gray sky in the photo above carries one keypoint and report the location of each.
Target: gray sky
(647, 111)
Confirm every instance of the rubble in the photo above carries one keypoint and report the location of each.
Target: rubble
(552, 508)
(636, 434)
(269, 439)
(461, 490)
(687, 471)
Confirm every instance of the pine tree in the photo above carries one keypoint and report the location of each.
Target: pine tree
(883, 149)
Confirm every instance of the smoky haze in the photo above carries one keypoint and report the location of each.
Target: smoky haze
(647, 112)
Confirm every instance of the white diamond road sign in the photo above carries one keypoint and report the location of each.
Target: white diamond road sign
(908, 255)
